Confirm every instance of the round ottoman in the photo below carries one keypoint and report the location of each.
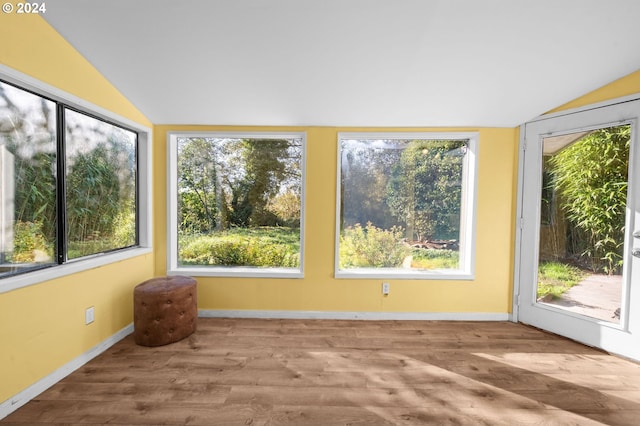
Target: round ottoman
(164, 310)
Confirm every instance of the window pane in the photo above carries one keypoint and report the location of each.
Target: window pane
(100, 200)
(583, 207)
(401, 204)
(27, 180)
(239, 201)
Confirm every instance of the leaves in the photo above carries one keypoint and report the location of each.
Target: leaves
(100, 176)
(591, 179)
(425, 189)
(258, 247)
(226, 182)
(372, 247)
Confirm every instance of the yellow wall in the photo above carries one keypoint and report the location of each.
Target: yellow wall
(490, 292)
(42, 326)
(30, 45)
(624, 86)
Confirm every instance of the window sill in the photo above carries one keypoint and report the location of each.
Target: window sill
(236, 271)
(405, 274)
(72, 267)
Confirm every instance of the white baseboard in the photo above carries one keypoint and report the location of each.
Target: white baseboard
(12, 404)
(408, 316)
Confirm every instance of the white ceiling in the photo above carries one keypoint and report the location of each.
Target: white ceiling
(352, 62)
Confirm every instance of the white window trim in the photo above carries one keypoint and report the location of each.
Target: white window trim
(145, 225)
(172, 208)
(468, 211)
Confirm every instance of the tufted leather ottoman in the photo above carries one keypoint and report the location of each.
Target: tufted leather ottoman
(164, 310)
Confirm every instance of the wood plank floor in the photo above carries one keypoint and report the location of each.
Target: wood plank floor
(323, 372)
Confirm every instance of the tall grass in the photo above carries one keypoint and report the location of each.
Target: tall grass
(435, 259)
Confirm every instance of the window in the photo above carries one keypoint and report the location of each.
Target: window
(69, 183)
(100, 185)
(406, 205)
(28, 208)
(236, 204)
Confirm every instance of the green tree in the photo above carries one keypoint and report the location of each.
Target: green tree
(366, 168)
(591, 177)
(93, 195)
(229, 182)
(27, 132)
(100, 184)
(265, 168)
(425, 188)
(35, 190)
(286, 206)
(197, 186)
(100, 175)
(240, 208)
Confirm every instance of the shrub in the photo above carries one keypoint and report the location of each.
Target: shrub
(372, 247)
(125, 228)
(29, 242)
(242, 248)
(591, 176)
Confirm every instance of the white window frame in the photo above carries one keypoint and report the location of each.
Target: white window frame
(172, 210)
(466, 270)
(145, 211)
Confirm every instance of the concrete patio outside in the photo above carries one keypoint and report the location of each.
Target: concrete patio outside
(597, 296)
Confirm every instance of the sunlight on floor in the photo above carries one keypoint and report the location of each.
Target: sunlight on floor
(604, 372)
(429, 393)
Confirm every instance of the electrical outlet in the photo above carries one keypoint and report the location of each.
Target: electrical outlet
(385, 288)
(89, 315)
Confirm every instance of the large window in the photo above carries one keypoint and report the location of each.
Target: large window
(68, 183)
(100, 185)
(236, 204)
(406, 205)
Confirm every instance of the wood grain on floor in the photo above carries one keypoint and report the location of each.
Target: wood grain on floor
(325, 372)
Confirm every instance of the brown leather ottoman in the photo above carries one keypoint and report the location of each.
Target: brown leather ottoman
(165, 310)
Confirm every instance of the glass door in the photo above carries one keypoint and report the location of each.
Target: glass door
(579, 227)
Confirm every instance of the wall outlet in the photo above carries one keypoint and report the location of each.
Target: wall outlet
(89, 315)
(385, 288)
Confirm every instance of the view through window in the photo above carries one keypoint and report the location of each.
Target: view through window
(238, 202)
(100, 189)
(44, 148)
(583, 205)
(405, 204)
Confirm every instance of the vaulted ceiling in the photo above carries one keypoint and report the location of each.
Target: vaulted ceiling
(491, 63)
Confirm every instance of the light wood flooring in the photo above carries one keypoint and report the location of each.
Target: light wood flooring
(325, 372)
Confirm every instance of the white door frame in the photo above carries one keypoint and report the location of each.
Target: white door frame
(521, 270)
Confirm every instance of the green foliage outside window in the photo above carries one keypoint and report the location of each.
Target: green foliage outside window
(425, 189)
(591, 177)
(373, 247)
(30, 244)
(99, 175)
(408, 192)
(239, 201)
(258, 247)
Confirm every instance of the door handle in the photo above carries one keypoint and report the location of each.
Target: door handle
(636, 252)
(636, 234)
